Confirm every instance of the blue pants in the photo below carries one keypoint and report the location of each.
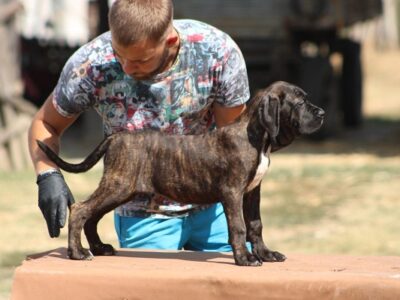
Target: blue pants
(204, 230)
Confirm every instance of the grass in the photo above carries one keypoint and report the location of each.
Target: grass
(343, 204)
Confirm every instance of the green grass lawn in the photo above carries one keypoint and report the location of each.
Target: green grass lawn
(344, 204)
(312, 203)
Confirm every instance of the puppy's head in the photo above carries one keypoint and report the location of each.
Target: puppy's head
(286, 113)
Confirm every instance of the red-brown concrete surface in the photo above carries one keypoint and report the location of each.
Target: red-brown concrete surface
(138, 274)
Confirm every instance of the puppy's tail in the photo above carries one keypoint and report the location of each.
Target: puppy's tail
(87, 164)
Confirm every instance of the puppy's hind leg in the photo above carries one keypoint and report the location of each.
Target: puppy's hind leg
(97, 247)
(88, 213)
(251, 212)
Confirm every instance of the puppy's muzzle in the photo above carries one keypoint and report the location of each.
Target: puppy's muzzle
(319, 113)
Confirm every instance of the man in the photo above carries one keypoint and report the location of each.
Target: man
(148, 72)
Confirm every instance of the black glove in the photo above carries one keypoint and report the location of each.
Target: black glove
(54, 197)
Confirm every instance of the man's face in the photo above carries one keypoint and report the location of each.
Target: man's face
(143, 59)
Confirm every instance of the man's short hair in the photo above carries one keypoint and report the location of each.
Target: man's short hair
(135, 20)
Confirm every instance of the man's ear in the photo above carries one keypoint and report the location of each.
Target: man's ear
(269, 115)
(172, 40)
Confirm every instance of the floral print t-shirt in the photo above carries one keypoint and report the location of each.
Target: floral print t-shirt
(209, 68)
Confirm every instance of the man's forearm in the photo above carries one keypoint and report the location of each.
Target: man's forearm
(47, 126)
(39, 130)
(227, 115)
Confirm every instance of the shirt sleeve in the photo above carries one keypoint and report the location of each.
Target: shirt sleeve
(74, 92)
(233, 88)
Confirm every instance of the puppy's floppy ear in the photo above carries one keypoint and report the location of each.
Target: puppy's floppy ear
(269, 115)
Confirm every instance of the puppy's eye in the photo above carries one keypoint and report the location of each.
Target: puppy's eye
(298, 104)
(298, 93)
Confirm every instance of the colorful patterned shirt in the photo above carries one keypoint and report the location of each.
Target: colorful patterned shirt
(209, 68)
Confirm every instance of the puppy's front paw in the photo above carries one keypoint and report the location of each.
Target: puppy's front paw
(248, 260)
(270, 256)
(278, 256)
(80, 254)
(102, 249)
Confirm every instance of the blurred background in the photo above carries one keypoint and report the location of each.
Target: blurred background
(336, 192)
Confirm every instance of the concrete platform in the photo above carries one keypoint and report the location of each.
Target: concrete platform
(138, 274)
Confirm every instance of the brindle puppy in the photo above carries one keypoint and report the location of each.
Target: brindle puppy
(224, 165)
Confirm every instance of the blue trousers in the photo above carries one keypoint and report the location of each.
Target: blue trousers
(204, 230)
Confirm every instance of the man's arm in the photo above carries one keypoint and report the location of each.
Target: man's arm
(226, 115)
(48, 126)
(54, 195)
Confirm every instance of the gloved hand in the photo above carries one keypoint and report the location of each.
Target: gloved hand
(54, 197)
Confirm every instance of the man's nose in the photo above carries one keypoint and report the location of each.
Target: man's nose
(129, 67)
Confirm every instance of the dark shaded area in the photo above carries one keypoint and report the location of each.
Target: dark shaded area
(154, 255)
(41, 67)
(377, 136)
(42, 62)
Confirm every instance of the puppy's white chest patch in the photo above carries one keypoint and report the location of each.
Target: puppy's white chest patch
(261, 170)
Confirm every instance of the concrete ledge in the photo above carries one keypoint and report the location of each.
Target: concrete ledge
(138, 274)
